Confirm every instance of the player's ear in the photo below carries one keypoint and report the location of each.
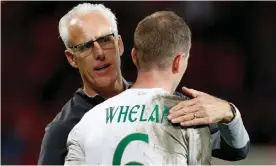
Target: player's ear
(176, 64)
(134, 57)
(120, 45)
(71, 58)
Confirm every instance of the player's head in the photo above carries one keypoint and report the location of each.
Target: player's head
(90, 34)
(162, 41)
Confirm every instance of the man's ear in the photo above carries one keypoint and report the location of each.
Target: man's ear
(120, 45)
(71, 58)
(176, 65)
(134, 57)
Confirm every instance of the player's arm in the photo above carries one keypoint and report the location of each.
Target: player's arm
(53, 147)
(75, 154)
(198, 141)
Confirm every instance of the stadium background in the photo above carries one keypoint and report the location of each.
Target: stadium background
(233, 56)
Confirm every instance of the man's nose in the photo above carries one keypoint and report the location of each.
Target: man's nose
(98, 51)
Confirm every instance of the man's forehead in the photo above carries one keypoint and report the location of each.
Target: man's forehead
(96, 31)
(90, 26)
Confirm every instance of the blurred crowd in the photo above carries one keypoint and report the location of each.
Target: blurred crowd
(233, 57)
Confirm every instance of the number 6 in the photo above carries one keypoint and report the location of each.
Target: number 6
(123, 144)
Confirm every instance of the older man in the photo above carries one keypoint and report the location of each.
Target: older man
(94, 47)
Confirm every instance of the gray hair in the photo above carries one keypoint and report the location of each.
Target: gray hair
(84, 9)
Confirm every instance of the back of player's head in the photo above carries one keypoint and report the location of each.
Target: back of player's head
(158, 38)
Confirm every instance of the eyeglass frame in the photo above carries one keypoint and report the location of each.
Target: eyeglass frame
(89, 43)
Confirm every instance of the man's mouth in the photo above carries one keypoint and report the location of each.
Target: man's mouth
(102, 67)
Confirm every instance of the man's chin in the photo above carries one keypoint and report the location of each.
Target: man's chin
(105, 82)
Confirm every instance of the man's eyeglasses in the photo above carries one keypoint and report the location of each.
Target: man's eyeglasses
(105, 42)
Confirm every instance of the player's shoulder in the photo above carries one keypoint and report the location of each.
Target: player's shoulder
(98, 111)
(94, 114)
(113, 100)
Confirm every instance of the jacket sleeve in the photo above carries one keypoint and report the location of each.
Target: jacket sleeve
(230, 141)
(53, 147)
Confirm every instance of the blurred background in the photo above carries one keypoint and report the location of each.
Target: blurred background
(233, 57)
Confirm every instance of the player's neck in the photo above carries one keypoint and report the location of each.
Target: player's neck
(105, 92)
(154, 79)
